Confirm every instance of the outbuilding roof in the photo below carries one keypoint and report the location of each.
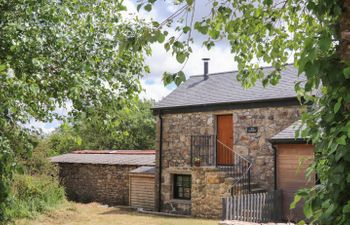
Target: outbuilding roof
(108, 157)
(224, 88)
(288, 135)
(144, 169)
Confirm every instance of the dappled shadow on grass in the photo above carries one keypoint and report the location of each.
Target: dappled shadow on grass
(120, 211)
(133, 212)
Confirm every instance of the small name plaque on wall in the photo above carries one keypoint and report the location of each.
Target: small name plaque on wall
(252, 130)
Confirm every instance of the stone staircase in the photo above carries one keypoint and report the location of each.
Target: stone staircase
(243, 187)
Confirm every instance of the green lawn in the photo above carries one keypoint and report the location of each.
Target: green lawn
(96, 214)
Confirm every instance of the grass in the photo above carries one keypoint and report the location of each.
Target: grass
(34, 195)
(93, 213)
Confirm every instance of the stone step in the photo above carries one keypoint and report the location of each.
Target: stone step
(257, 190)
(254, 187)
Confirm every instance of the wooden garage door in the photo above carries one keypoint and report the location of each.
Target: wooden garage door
(291, 175)
(142, 191)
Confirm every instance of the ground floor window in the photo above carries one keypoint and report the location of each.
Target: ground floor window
(182, 186)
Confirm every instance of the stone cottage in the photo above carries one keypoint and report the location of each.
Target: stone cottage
(213, 140)
(101, 175)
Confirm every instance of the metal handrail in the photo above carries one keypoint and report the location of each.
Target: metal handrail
(233, 150)
(245, 172)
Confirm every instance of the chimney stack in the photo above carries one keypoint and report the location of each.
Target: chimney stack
(206, 67)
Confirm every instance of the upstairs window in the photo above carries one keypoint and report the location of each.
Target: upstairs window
(182, 186)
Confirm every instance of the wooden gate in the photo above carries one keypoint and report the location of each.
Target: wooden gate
(254, 207)
(225, 140)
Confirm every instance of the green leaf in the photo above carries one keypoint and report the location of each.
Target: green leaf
(308, 209)
(341, 140)
(180, 57)
(160, 37)
(337, 105)
(2, 67)
(186, 29)
(268, 2)
(214, 34)
(147, 69)
(346, 208)
(301, 222)
(148, 7)
(346, 72)
(325, 42)
(202, 29)
(189, 2)
(167, 46)
(167, 78)
(180, 77)
(155, 23)
(297, 199)
(348, 178)
(312, 69)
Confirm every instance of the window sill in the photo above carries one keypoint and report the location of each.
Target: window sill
(181, 201)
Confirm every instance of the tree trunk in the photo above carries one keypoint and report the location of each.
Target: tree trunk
(345, 30)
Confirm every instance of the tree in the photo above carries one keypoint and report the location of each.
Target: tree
(132, 128)
(60, 53)
(316, 34)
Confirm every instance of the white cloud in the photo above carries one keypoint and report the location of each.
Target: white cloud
(46, 128)
(161, 61)
(221, 59)
(154, 90)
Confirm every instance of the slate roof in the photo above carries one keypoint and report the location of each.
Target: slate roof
(144, 169)
(224, 88)
(113, 158)
(120, 152)
(288, 134)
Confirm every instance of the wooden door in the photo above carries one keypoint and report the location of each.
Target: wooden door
(225, 136)
(292, 161)
(142, 191)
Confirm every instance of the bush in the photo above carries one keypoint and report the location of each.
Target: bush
(38, 163)
(35, 194)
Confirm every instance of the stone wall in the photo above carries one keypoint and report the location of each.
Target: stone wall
(177, 131)
(209, 186)
(171, 205)
(106, 184)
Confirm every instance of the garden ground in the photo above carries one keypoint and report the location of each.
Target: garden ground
(93, 213)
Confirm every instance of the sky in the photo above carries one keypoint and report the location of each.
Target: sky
(161, 61)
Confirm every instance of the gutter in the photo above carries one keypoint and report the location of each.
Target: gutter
(289, 141)
(160, 161)
(261, 103)
(275, 166)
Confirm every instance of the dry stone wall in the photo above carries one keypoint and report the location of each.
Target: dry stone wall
(106, 184)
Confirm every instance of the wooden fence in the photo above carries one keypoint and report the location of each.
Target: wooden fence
(254, 207)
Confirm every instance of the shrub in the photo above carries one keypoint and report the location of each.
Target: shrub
(38, 163)
(35, 194)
